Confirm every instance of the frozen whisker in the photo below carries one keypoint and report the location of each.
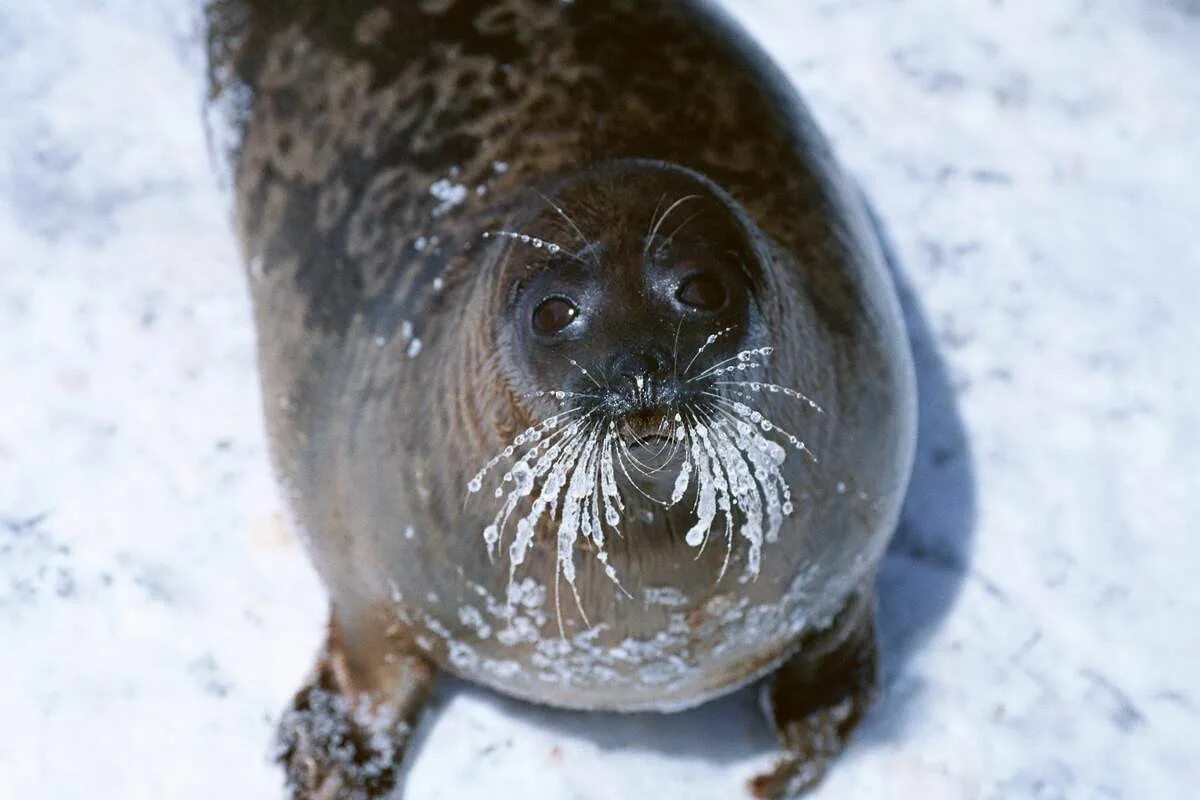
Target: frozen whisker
(705, 507)
(682, 437)
(725, 485)
(568, 476)
(558, 470)
(767, 456)
(527, 471)
(613, 504)
(742, 495)
(752, 462)
(586, 374)
(772, 388)
(626, 459)
(581, 513)
(532, 434)
(755, 419)
(740, 366)
(579, 486)
(578, 232)
(739, 362)
(551, 247)
(714, 488)
(739, 394)
(664, 426)
(559, 394)
(708, 342)
(608, 499)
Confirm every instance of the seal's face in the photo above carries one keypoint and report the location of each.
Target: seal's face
(629, 331)
(626, 275)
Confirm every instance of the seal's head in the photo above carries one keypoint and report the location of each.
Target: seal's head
(631, 326)
(614, 282)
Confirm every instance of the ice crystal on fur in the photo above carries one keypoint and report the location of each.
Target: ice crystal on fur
(571, 473)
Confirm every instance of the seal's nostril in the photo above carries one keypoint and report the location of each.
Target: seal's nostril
(639, 377)
(639, 366)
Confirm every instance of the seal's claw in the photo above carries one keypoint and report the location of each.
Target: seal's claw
(817, 699)
(338, 742)
(329, 749)
(816, 740)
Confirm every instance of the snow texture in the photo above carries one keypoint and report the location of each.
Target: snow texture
(1034, 166)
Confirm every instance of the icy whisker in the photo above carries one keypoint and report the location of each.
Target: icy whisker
(739, 361)
(551, 247)
(586, 374)
(578, 232)
(755, 418)
(534, 434)
(772, 388)
(709, 342)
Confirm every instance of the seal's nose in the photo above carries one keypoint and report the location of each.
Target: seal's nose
(649, 362)
(639, 369)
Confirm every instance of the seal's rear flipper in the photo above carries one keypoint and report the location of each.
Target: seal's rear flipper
(344, 735)
(818, 697)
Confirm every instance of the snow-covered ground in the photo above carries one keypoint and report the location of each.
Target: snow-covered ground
(1036, 167)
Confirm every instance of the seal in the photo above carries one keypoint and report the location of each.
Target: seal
(582, 373)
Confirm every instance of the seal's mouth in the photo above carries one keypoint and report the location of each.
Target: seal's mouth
(648, 428)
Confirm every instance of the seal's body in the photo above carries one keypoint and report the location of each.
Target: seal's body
(477, 227)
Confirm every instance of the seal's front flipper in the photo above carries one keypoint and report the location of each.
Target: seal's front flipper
(816, 700)
(345, 734)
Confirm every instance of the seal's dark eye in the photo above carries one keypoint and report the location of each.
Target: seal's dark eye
(701, 291)
(553, 314)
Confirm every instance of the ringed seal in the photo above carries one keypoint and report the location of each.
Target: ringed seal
(582, 372)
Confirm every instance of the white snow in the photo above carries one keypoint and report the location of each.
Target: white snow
(1035, 165)
(450, 194)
